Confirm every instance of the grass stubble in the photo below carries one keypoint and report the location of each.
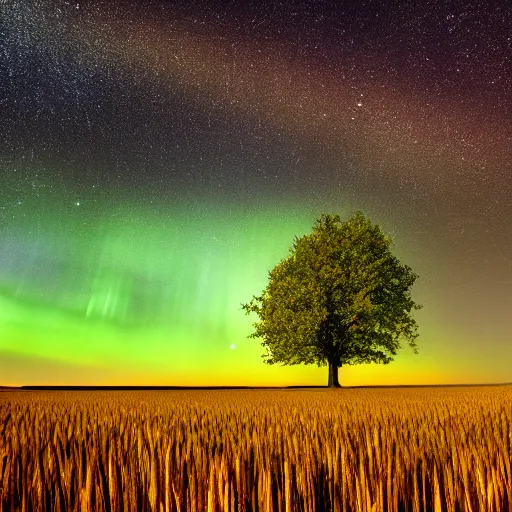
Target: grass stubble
(348, 450)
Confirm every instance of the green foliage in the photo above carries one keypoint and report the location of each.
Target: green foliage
(340, 297)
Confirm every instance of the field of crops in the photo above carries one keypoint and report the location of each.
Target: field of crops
(422, 449)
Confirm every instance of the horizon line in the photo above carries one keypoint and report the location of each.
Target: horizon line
(184, 388)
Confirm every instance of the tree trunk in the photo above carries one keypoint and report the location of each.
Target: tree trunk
(333, 376)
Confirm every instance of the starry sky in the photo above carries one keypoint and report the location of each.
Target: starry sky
(158, 157)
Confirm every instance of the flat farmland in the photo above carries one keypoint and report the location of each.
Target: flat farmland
(389, 449)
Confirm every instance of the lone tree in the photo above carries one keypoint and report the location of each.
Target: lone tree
(339, 298)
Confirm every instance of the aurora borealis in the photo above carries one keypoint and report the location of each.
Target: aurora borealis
(158, 158)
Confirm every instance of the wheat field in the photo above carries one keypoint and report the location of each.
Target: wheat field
(409, 449)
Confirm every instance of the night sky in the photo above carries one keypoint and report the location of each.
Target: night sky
(157, 159)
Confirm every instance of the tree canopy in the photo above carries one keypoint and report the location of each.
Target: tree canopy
(339, 298)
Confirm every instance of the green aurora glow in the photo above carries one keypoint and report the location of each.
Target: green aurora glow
(151, 295)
